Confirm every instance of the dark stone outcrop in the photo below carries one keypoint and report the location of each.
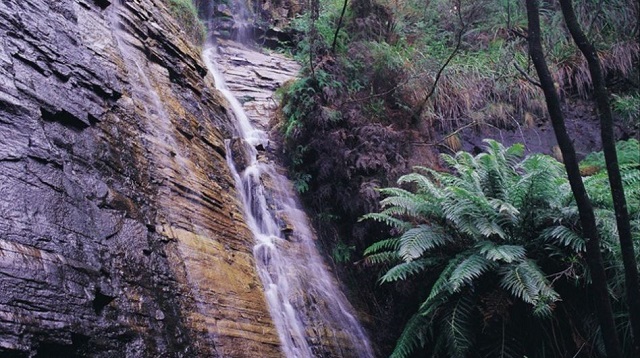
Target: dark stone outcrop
(120, 232)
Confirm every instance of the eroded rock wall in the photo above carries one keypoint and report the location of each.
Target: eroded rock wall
(120, 231)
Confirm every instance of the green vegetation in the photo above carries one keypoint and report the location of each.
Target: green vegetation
(628, 107)
(354, 105)
(186, 13)
(499, 242)
(628, 156)
(597, 181)
(410, 78)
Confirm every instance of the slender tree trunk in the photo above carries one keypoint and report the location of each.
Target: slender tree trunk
(314, 7)
(587, 217)
(335, 36)
(613, 169)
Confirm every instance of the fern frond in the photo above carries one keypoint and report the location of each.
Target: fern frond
(382, 258)
(415, 242)
(383, 245)
(563, 236)
(471, 213)
(414, 335)
(387, 220)
(443, 284)
(469, 269)
(458, 326)
(403, 270)
(505, 253)
(607, 228)
(424, 183)
(527, 282)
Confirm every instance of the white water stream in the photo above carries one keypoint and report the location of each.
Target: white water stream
(312, 316)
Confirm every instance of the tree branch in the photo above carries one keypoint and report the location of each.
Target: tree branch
(526, 75)
(418, 112)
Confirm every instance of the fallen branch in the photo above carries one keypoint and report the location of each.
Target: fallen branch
(526, 75)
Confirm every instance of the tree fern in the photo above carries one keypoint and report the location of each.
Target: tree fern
(483, 229)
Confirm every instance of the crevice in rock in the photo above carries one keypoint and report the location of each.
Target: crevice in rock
(12, 353)
(65, 118)
(56, 350)
(185, 132)
(218, 149)
(100, 301)
(103, 4)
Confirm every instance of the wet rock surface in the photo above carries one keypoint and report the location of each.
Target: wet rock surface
(120, 232)
(253, 76)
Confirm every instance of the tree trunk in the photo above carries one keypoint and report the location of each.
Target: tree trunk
(587, 217)
(613, 169)
(335, 37)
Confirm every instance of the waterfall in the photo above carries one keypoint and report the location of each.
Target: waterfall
(312, 316)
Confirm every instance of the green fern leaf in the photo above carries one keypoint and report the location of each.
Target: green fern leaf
(469, 269)
(458, 325)
(403, 270)
(381, 258)
(416, 241)
(442, 286)
(382, 245)
(505, 253)
(563, 236)
(387, 220)
(526, 281)
(413, 336)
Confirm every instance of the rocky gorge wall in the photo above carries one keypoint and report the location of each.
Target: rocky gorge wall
(120, 230)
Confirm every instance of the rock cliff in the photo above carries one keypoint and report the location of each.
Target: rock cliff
(120, 231)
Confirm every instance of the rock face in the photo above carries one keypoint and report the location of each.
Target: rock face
(120, 231)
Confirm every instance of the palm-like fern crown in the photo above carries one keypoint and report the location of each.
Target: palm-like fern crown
(495, 216)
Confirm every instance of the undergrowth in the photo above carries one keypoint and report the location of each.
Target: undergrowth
(186, 13)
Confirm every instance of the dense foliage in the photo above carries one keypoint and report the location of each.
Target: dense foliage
(499, 241)
(407, 79)
(361, 115)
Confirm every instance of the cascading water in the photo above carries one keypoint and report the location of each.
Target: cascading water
(312, 316)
